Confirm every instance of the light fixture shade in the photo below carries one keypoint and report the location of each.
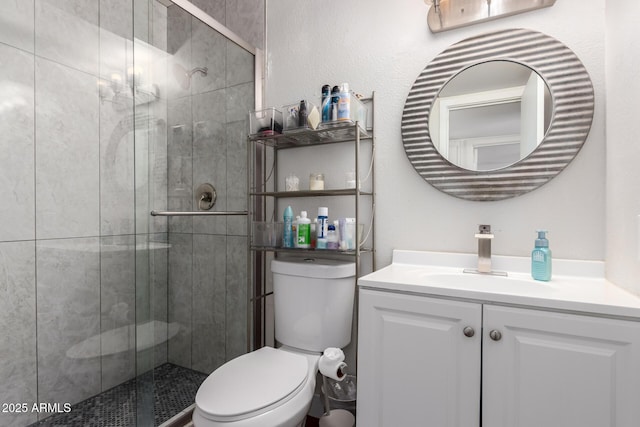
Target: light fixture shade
(450, 14)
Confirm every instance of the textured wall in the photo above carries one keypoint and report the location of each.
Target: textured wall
(383, 46)
(623, 151)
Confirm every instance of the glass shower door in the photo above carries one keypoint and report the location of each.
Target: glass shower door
(194, 87)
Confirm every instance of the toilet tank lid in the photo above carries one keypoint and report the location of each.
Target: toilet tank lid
(314, 267)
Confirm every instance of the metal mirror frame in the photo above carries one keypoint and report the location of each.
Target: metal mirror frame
(572, 103)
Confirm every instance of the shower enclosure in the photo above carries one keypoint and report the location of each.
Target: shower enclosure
(109, 110)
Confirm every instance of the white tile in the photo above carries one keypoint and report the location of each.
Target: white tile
(16, 145)
(67, 152)
(16, 24)
(118, 309)
(67, 32)
(68, 315)
(116, 16)
(117, 163)
(18, 323)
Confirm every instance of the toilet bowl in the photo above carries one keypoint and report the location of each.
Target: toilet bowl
(267, 387)
(271, 387)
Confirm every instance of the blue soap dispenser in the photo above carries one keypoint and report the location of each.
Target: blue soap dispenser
(541, 258)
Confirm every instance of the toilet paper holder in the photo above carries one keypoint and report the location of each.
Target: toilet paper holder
(331, 365)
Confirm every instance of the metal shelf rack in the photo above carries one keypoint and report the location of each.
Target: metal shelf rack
(264, 197)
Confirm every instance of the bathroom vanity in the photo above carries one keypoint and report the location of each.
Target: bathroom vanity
(439, 347)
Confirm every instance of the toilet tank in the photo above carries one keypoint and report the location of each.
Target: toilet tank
(313, 301)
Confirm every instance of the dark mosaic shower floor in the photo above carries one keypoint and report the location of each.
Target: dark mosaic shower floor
(174, 389)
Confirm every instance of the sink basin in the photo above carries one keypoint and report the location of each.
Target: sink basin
(487, 283)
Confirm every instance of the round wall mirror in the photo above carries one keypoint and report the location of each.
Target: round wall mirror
(490, 115)
(497, 115)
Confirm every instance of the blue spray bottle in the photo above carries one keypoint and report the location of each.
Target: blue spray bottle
(541, 258)
(287, 238)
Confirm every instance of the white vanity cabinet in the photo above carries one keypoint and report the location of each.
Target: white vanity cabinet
(415, 365)
(559, 369)
(440, 362)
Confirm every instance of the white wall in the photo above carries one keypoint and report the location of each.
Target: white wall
(623, 144)
(382, 46)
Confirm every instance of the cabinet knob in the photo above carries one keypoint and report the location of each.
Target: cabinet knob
(468, 331)
(495, 335)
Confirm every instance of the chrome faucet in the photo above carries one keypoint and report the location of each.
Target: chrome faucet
(484, 237)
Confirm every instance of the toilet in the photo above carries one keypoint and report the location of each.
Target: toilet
(273, 387)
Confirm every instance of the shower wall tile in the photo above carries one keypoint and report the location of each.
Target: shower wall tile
(116, 57)
(181, 297)
(240, 65)
(208, 49)
(236, 300)
(159, 26)
(116, 16)
(158, 268)
(179, 50)
(214, 8)
(117, 192)
(118, 310)
(158, 182)
(209, 302)
(247, 19)
(18, 323)
(151, 333)
(237, 176)
(16, 151)
(240, 100)
(67, 32)
(180, 163)
(68, 316)
(66, 134)
(141, 178)
(209, 156)
(16, 24)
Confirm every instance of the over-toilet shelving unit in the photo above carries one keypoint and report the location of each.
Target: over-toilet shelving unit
(267, 200)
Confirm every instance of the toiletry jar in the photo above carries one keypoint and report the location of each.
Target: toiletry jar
(265, 122)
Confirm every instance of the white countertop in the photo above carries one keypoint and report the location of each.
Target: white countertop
(577, 286)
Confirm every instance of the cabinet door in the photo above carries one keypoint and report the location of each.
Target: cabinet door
(415, 365)
(559, 370)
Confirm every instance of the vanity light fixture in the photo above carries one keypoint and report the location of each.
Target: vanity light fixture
(118, 89)
(449, 14)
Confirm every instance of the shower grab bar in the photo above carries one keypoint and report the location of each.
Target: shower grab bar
(198, 213)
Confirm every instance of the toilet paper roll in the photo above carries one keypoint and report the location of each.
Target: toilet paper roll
(332, 364)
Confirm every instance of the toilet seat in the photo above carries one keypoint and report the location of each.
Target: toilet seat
(252, 384)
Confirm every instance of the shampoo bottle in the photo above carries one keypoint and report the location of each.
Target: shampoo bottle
(344, 103)
(541, 258)
(326, 103)
(322, 227)
(287, 237)
(304, 231)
